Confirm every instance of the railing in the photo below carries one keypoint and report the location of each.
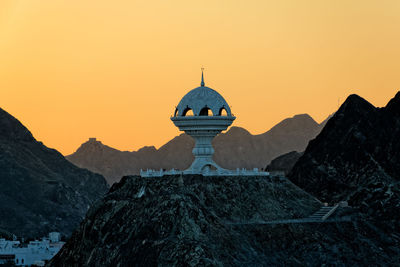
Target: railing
(218, 172)
(330, 212)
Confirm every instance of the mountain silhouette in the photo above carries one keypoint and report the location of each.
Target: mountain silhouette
(40, 191)
(356, 158)
(236, 148)
(359, 145)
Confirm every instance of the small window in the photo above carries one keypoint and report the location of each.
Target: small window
(222, 112)
(205, 112)
(208, 167)
(176, 113)
(188, 112)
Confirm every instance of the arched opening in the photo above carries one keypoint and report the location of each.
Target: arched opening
(205, 112)
(222, 112)
(208, 167)
(176, 112)
(187, 112)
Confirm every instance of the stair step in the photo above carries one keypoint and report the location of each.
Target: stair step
(319, 214)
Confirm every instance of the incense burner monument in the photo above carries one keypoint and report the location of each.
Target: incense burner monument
(203, 113)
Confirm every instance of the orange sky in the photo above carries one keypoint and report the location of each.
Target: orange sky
(115, 70)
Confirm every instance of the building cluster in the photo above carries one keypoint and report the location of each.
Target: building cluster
(36, 252)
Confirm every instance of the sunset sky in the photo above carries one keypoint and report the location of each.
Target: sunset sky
(115, 70)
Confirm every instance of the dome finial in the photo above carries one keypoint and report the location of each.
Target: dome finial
(202, 77)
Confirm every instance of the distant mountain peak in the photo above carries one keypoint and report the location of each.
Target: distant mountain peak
(92, 145)
(295, 123)
(147, 149)
(235, 130)
(303, 116)
(93, 140)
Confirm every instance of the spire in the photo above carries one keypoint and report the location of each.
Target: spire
(202, 77)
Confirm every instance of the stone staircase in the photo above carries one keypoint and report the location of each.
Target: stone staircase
(323, 213)
(320, 216)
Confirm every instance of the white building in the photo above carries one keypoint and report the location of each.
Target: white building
(203, 113)
(55, 237)
(35, 252)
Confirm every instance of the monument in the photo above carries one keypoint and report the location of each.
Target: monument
(203, 113)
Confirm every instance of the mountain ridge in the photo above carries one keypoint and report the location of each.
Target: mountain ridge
(236, 148)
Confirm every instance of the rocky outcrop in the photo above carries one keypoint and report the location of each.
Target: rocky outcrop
(236, 148)
(40, 191)
(181, 220)
(216, 221)
(358, 147)
(356, 158)
(284, 163)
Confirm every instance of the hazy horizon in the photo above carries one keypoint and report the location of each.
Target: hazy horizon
(116, 70)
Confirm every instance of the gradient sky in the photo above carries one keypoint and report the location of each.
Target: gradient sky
(115, 70)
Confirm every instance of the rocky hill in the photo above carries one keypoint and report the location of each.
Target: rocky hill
(236, 148)
(40, 191)
(356, 158)
(181, 220)
(359, 146)
(193, 220)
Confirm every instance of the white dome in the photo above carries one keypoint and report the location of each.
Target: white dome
(199, 100)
